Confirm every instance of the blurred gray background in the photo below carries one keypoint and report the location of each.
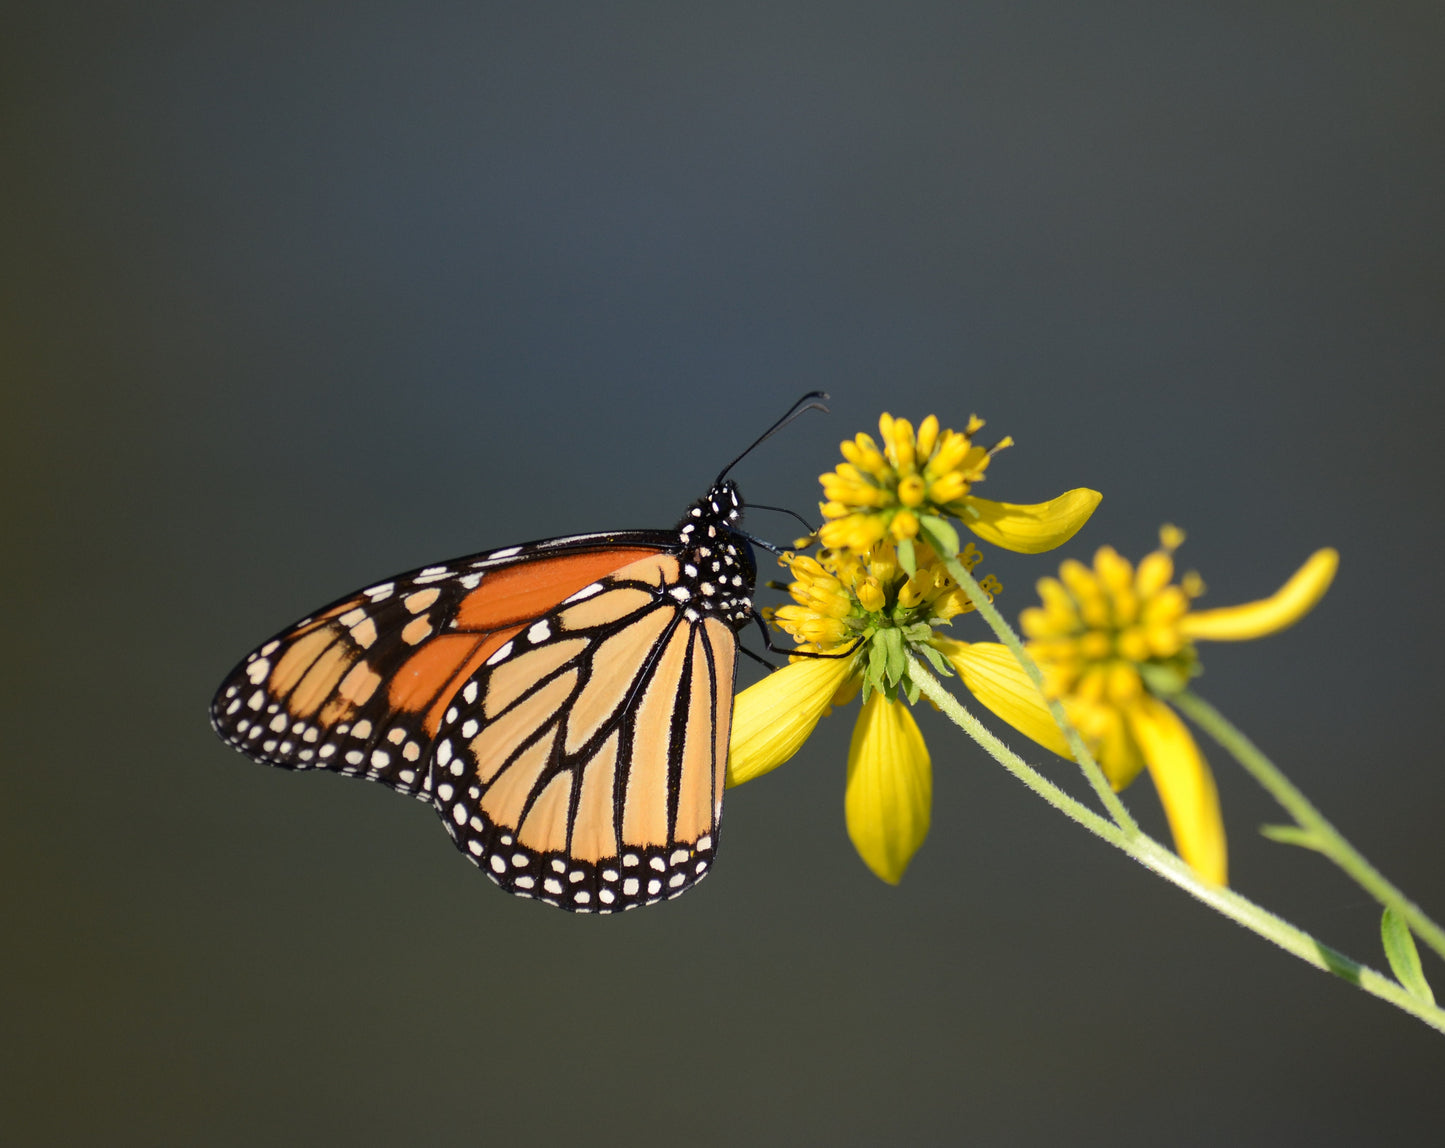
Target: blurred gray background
(298, 295)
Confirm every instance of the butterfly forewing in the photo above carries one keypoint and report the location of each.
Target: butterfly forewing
(360, 687)
(584, 762)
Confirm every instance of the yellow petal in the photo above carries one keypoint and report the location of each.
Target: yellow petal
(1186, 788)
(1288, 605)
(1032, 529)
(1115, 749)
(994, 677)
(890, 788)
(773, 718)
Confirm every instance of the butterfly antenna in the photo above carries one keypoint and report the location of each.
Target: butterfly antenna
(770, 547)
(812, 401)
(809, 527)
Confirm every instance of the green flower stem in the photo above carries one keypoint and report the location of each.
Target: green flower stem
(1319, 834)
(1081, 753)
(1155, 857)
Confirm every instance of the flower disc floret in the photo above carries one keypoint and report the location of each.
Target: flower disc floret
(1098, 626)
(842, 597)
(880, 493)
(906, 486)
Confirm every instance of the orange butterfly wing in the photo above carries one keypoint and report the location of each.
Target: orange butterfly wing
(583, 763)
(360, 687)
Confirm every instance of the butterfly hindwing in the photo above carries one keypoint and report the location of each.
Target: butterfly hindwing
(583, 762)
(360, 687)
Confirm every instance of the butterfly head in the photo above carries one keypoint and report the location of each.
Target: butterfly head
(721, 507)
(718, 564)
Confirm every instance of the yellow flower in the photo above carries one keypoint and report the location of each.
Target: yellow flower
(906, 488)
(1114, 642)
(867, 608)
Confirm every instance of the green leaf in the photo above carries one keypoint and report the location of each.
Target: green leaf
(936, 660)
(1291, 835)
(1404, 958)
(916, 633)
(877, 659)
(940, 534)
(906, 558)
(910, 687)
(897, 655)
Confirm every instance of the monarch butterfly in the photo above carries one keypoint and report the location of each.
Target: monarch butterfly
(564, 704)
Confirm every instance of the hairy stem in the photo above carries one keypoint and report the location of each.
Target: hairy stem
(1082, 756)
(1319, 834)
(1155, 857)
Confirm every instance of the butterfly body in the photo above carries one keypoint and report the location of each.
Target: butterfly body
(565, 704)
